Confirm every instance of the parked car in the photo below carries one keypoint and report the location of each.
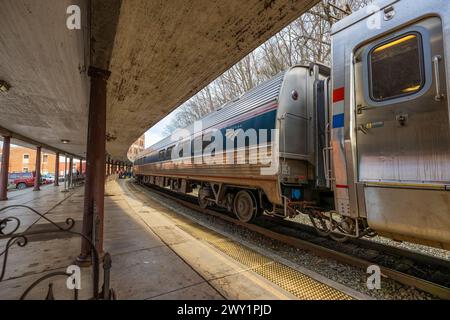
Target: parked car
(47, 178)
(21, 180)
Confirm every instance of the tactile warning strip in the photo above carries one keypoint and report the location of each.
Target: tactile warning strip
(299, 284)
(201, 233)
(248, 258)
(291, 280)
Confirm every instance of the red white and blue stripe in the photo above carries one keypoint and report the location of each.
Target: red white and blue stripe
(338, 107)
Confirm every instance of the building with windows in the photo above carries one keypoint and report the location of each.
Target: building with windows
(136, 147)
(23, 159)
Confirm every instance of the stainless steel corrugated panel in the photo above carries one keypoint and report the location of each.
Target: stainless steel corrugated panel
(260, 95)
(263, 94)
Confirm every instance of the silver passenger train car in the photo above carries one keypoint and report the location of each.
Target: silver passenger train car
(364, 150)
(280, 160)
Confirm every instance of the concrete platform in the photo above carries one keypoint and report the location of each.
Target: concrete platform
(155, 254)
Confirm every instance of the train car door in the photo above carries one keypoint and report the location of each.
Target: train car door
(403, 131)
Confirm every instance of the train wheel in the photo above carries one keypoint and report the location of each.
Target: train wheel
(244, 206)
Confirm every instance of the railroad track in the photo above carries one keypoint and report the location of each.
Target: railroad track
(420, 270)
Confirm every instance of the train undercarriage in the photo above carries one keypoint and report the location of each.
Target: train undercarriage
(247, 203)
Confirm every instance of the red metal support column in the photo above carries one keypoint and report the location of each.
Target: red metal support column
(65, 172)
(37, 177)
(57, 170)
(95, 164)
(5, 168)
(70, 175)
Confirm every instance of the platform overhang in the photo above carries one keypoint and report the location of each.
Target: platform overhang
(160, 53)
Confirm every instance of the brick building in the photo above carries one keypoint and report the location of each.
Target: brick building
(24, 160)
(136, 147)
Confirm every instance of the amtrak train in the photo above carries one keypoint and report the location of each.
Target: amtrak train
(361, 148)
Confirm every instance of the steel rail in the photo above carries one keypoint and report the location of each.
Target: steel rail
(403, 278)
(368, 244)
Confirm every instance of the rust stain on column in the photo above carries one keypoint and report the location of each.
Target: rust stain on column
(37, 177)
(5, 168)
(95, 165)
(70, 172)
(57, 170)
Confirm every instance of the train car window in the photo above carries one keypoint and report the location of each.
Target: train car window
(162, 154)
(207, 140)
(169, 152)
(396, 68)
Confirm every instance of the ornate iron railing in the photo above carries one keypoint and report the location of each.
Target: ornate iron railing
(8, 232)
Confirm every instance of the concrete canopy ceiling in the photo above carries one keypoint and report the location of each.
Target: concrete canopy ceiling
(166, 51)
(159, 52)
(44, 63)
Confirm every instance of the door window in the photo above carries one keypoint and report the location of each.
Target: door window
(396, 68)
